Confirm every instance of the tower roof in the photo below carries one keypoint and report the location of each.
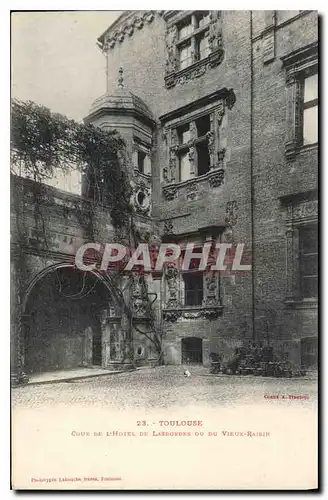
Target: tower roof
(122, 101)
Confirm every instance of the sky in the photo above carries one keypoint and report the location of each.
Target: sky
(55, 62)
(55, 59)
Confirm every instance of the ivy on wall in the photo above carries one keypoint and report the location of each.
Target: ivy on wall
(42, 141)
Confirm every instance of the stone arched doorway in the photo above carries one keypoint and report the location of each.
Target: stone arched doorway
(62, 320)
(191, 350)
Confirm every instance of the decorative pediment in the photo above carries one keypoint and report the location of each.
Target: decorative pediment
(135, 22)
(174, 75)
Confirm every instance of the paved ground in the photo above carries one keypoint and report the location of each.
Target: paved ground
(164, 387)
(65, 375)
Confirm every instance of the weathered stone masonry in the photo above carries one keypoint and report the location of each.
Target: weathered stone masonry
(215, 151)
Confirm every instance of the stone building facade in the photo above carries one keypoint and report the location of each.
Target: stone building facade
(218, 110)
(234, 98)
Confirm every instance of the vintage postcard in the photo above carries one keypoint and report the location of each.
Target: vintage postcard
(164, 250)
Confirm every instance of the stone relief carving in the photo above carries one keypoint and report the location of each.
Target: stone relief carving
(168, 226)
(173, 163)
(214, 38)
(174, 137)
(227, 236)
(165, 133)
(191, 191)
(141, 198)
(191, 151)
(211, 290)
(172, 286)
(139, 296)
(305, 209)
(221, 156)
(231, 213)
(209, 313)
(172, 315)
(216, 177)
(210, 141)
(211, 147)
(170, 192)
(171, 52)
(174, 76)
(165, 175)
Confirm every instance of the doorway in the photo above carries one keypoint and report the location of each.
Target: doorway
(96, 349)
(309, 352)
(191, 351)
(61, 306)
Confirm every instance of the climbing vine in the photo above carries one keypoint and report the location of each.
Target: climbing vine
(42, 141)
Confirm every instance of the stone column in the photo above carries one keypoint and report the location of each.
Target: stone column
(87, 340)
(206, 352)
(268, 39)
(292, 264)
(292, 92)
(191, 144)
(173, 158)
(18, 375)
(105, 335)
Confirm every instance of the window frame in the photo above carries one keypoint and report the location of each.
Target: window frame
(301, 253)
(298, 65)
(215, 105)
(174, 73)
(191, 37)
(140, 146)
(141, 152)
(188, 274)
(192, 143)
(306, 105)
(301, 212)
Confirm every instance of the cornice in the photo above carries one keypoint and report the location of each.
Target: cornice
(126, 25)
(310, 52)
(225, 94)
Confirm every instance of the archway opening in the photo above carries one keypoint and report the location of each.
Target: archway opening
(62, 328)
(191, 350)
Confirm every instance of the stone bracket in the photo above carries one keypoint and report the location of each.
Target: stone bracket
(209, 313)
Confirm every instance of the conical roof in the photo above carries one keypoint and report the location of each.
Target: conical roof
(122, 101)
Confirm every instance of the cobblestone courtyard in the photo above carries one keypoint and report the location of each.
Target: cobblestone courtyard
(95, 428)
(165, 387)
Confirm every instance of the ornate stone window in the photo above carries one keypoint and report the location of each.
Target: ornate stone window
(192, 293)
(302, 249)
(193, 288)
(193, 147)
(193, 44)
(196, 140)
(308, 251)
(302, 99)
(193, 38)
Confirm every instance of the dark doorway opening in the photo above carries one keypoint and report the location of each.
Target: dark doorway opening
(96, 349)
(191, 351)
(61, 321)
(309, 352)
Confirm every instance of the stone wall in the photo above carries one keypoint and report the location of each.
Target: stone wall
(275, 177)
(257, 173)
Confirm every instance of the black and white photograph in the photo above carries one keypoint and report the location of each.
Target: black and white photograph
(164, 249)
